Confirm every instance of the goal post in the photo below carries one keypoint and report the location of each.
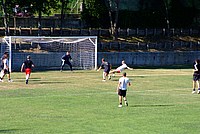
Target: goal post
(46, 52)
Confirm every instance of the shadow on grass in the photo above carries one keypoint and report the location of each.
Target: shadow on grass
(47, 82)
(155, 105)
(9, 130)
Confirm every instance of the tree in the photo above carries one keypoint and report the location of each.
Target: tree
(3, 4)
(95, 13)
(113, 8)
(63, 6)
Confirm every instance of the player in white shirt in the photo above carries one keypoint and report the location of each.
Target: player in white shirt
(122, 88)
(5, 68)
(120, 69)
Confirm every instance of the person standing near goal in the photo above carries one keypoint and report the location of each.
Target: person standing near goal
(66, 58)
(122, 88)
(27, 66)
(107, 67)
(5, 67)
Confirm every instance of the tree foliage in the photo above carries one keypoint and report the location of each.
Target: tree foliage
(95, 13)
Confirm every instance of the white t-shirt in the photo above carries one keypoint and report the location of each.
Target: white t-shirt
(5, 64)
(122, 67)
(124, 81)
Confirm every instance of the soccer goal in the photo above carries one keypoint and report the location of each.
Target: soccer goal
(46, 52)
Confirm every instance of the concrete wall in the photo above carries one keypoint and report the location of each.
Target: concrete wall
(150, 58)
(52, 60)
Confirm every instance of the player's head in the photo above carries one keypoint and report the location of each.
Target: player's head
(124, 74)
(103, 60)
(5, 55)
(123, 62)
(67, 53)
(28, 57)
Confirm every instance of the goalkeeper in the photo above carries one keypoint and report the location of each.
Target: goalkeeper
(66, 58)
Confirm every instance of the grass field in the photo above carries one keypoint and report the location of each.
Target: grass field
(160, 102)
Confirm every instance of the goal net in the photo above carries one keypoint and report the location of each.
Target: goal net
(46, 52)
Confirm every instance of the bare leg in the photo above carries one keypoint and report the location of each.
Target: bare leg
(120, 101)
(125, 100)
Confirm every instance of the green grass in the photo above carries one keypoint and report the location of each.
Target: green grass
(160, 102)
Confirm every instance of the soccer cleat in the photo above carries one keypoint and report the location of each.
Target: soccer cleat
(10, 80)
(103, 80)
(1, 80)
(126, 103)
(109, 77)
(198, 92)
(193, 92)
(120, 106)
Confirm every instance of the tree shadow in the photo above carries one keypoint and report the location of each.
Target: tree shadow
(154, 105)
(8, 130)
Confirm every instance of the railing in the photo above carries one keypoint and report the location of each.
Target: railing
(52, 31)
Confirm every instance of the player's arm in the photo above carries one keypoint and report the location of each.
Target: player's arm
(195, 67)
(22, 67)
(129, 68)
(129, 83)
(33, 65)
(99, 68)
(118, 86)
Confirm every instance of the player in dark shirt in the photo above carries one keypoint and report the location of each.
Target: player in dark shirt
(66, 58)
(196, 75)
(107, 67)
(27, 66)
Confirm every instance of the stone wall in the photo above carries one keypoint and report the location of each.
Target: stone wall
(52, 60)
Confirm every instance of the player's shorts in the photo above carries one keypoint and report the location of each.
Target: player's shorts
(196, 77)
(107, 71)
(28, 71)
(122, 93)
(6, 71)
(118, 71)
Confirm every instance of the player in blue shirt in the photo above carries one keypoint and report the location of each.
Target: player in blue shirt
(66, 58)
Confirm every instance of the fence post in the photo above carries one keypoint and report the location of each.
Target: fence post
(154, 31)
(30, 30)
(127, 32)
(99, 32)
(164, 31)
(190, 32)
(146, 32)
(137, 31)
(20, 30)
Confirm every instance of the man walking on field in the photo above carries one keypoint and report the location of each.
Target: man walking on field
(122, 88)
(27, 65)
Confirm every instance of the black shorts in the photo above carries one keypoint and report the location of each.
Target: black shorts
(6, 71)
(122, 93)
(107, 71)
(196, 77)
